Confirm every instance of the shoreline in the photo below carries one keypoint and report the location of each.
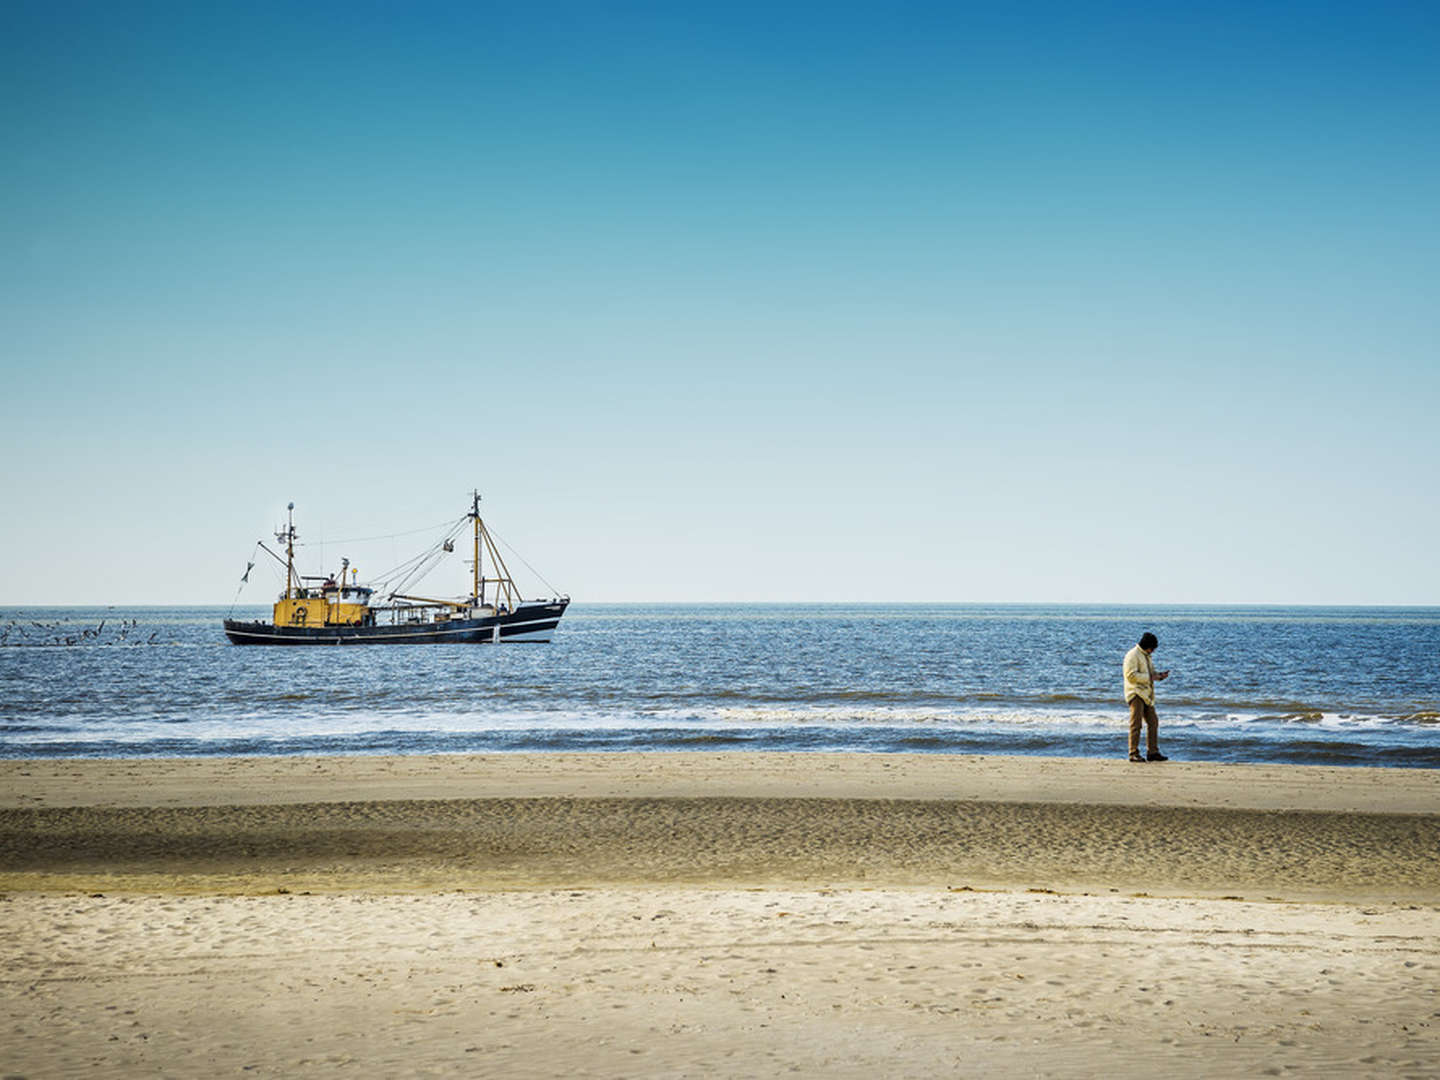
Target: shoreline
(261, 780)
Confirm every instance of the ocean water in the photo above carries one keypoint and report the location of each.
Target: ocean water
(1339, 686)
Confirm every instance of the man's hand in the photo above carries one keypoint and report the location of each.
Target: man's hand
(1161, 675)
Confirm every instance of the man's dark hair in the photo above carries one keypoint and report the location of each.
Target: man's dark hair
(1148, 640)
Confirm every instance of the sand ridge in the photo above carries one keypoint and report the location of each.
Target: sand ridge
(526, 843)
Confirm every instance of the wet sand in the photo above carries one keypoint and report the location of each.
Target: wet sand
(725, 914)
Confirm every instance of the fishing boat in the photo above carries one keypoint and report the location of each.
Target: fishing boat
(336, 609)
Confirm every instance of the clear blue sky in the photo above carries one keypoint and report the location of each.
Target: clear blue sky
(1011, 302)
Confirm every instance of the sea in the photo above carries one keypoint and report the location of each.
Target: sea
(1306, 685)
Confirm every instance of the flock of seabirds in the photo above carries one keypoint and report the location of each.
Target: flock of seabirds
(65, 633)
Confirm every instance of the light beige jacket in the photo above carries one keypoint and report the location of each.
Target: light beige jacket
(1139, 676)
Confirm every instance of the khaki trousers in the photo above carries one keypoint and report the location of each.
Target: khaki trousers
(1143, 712)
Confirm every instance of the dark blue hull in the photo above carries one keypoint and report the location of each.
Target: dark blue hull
(529, 622)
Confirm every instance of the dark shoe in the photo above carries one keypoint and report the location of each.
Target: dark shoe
(1136, 757)
(1155, 755)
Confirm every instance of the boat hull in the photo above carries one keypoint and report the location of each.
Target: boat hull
(529, 622)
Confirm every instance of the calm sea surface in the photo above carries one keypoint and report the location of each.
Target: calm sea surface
(1346, 686)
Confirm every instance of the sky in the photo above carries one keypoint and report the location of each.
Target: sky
(1024, 302)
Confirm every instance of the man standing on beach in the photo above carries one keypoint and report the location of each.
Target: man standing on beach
(1140, 679)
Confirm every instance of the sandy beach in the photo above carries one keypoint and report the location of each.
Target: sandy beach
(717, 914)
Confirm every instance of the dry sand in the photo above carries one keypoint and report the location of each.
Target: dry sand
(728, 914)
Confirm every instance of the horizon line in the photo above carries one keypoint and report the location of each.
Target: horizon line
(1158, 604)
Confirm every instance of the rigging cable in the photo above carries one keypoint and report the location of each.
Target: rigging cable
(553, 591)
(414, 570)
(387, 536)
(406, 566)
(244, 578)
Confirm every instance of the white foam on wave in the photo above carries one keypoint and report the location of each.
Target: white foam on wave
(851, 716)
(1324, 721)
(329, 725)
(270, 727)
(288, 728)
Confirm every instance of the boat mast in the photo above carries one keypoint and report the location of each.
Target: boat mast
(478, 591)
(288, 535)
